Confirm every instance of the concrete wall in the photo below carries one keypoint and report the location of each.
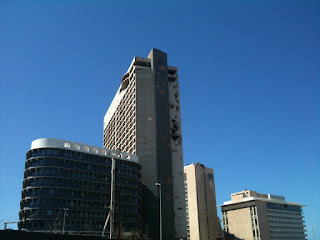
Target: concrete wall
(263, 220)
(146, 146)
(192, 202)
(214, 226)
(239, 222)
(177, 160)
(203, 220)
(159, 68)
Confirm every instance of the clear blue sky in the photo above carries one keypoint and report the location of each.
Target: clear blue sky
(249, 75)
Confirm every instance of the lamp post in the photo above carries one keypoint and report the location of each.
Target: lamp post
(64, 219)
(159, 185)
(33, 215)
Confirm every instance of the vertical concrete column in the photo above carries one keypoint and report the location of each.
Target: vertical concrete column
(159, 68)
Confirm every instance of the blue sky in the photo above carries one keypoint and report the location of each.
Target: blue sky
(249, 76)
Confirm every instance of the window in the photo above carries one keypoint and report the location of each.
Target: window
(210, 176)
(86, 149)
(95, 150)
(67, 145)
(77, 147)
(49, 212)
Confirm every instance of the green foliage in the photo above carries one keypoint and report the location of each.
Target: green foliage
(138, 235)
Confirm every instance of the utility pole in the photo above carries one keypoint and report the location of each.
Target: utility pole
(33, 215)
(159, 185)
(113, 168)
(119, 215)
(112, 202)
(64, 219)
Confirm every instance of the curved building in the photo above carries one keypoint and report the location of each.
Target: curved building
(67, 187)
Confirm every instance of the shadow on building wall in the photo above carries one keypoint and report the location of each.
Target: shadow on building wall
(229, 237)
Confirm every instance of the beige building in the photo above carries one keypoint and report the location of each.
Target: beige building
(202, 220)
(254, 216)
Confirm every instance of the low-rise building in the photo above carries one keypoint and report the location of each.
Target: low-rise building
(254, 216)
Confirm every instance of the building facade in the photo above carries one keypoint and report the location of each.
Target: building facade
(67, 185)
(144, 119)
(254, 216)
(200, 196)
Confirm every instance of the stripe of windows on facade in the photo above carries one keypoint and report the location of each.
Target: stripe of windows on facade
(67, 187)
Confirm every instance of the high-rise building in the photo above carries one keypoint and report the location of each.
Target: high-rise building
(254, 216)
(202, 220)
(66, 188)
(144, 119)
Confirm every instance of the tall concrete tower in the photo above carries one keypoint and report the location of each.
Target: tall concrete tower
(144, 119)
(202, 216)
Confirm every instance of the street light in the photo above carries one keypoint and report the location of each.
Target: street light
(159, 185)
(33, 215)
(64, 219)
